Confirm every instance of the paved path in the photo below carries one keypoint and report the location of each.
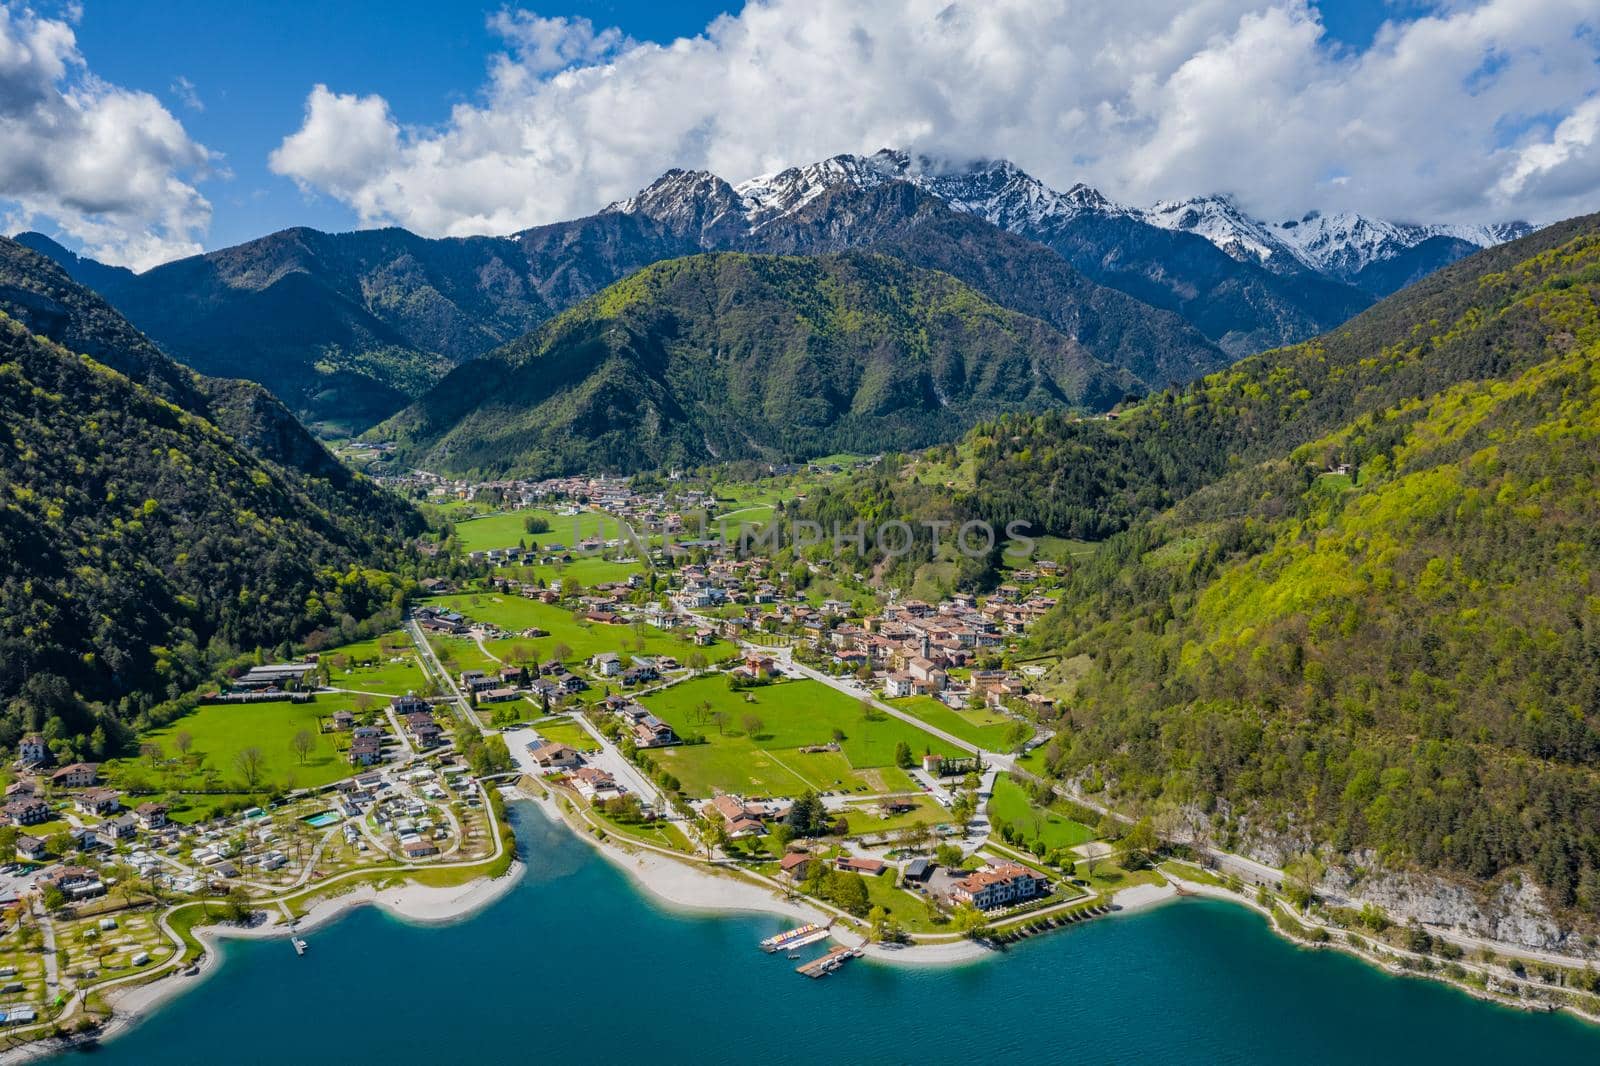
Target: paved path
(52, 968)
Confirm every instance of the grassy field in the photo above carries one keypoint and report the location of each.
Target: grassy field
(514, 613)
(569, 733)
(865, 819)
(459, 654)
(394, 678)
(586, 570)
(1010, 804)
(983, 727)
(509, 529)
(219, 732)
(793, 714)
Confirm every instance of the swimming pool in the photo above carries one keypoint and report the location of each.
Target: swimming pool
(320, 820)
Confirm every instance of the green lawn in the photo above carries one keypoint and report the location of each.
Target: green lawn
(793, 714)
(1010, 804)
(383, 675)
(459, 654)
(509, 529)
(584, 639)
(219, 732)
(586, 570)
(983, 727)
(864, 817)
(569, 733)
(754, 515)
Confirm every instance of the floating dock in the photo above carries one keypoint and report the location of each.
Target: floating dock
(795, 938)
(835, 958)
(299, 945)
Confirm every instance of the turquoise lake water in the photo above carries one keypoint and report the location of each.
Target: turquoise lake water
(575, 965)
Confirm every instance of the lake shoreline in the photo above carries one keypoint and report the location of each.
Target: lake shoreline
(414, 904)
(669, 884)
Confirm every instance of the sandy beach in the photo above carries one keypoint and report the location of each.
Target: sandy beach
(688, 887)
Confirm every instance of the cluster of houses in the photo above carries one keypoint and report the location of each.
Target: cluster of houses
(415, 715)
(591, 782)
(26, 806)
(744, 818)
(645, 729)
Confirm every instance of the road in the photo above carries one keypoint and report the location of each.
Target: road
(436, 671)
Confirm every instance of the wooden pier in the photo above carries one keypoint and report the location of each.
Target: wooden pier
(822, 967)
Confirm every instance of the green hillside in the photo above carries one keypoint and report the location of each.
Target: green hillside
(1400, 658)
(140, 543)
(736, 356)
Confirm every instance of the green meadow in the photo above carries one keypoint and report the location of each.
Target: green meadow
(985, 728)
(793, 715)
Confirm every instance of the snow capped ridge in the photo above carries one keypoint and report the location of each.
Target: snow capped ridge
(1345, 242)
(768, 197)
(1339, 244)
(1005, 195)
(1219, 220)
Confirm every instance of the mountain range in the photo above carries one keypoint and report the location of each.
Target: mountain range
(348, 328)
(730, 356)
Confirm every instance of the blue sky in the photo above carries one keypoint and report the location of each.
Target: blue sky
(251, 65)
(140, 132)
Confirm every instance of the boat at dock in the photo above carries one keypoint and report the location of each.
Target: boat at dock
(829, 962)
(299, 945)
(795, 938)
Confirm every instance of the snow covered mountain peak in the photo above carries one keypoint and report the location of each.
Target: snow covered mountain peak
(1343, 243)
(1219, 220)
(772, 196)
(1005, 195)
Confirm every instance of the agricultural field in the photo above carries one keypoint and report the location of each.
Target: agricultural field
(586, 570)
(583, 639)
(1011, 804)
(983, 727)
(217, 733)
(509, 529)
(387, 665)
(792, 715)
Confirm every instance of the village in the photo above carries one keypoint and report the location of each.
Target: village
(695, 697)
(866, 754)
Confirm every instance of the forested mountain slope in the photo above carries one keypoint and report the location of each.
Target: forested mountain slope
(1398, 662)
(1089, 478)
(139, 542)
(725, 356)
(1348, 595)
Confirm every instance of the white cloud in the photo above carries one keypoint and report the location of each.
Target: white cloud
(1146, 100)
(187, 94)
(109, 166)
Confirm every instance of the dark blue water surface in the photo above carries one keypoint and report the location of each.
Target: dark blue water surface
(576, 965)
